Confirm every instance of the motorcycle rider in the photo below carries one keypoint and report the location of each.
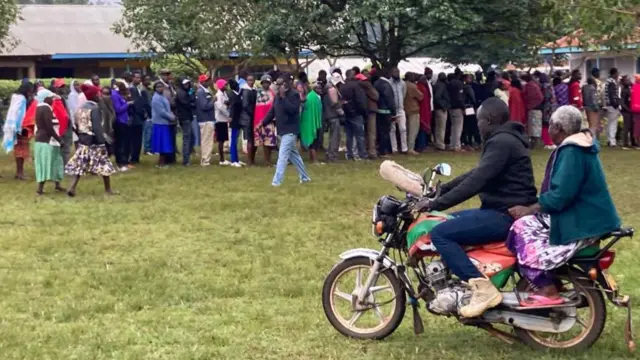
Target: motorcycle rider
(503, 179)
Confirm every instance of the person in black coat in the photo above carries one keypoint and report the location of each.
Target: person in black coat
(386, 111)
(249, 98)
(185, 105)
(235, 113)
(355, 111)
(139, 112)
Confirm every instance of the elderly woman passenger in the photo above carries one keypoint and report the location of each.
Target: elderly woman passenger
(574, 205)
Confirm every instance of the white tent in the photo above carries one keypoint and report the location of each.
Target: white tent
(415, 65)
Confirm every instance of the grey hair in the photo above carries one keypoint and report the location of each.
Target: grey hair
(568, 118)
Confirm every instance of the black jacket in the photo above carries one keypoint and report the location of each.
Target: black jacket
(286, 113)
(235, 109)
(441, 99)
(469, 96)
(456, 94)
(503, 178)
(185, 104)
(141, 108)
(249, 98)
(355, 99)
(625, 98)
(386, 99)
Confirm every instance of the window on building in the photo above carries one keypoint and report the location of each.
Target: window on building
(604, 64)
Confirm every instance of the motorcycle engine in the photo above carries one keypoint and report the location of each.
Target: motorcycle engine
(449, 295)
(448, 301)
(437, 275)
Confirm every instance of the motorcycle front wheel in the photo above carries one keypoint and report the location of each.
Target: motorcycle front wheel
(590, 317)
(383, 308)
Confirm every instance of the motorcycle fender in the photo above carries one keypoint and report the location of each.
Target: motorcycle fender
(368, 253)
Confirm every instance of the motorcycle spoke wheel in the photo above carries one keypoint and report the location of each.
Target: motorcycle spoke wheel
(379, 303)
(590, 317)
(578, 332)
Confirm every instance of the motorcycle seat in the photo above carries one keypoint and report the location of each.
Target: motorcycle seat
(498, 248)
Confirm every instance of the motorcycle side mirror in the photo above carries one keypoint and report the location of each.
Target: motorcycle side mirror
(443, 169)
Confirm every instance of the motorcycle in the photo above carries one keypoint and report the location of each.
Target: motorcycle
(365, 282)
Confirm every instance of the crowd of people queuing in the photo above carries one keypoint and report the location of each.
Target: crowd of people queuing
(379, 112)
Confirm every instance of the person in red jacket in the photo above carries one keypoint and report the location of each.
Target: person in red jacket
(635, 110)
(61, 113)
(517, 109)
(575, 93)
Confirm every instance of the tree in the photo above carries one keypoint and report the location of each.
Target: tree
(595, 23)
(388, 31)
(9, 13)
(195, 29)
(52, 2)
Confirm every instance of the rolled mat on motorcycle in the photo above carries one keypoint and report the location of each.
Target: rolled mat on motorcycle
(365, 295)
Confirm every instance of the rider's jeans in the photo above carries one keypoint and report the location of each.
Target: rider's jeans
(469, 227)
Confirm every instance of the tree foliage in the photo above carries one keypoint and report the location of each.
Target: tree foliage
(9, 13)
(196, 29)
(52, 2)
(388, 31)
(383, 31)
(179, 66)
(595, 23)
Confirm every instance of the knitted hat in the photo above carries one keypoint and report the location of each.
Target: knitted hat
(221, 83)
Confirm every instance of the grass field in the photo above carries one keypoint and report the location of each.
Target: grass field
(216, 264)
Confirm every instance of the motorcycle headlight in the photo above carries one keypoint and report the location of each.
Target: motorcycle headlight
(374, 221)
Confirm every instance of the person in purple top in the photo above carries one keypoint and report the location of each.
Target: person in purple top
(121, 101)
(562, 91)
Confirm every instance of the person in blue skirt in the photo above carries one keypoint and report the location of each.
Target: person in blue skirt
(161, 117)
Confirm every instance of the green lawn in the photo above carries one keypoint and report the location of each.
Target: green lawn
(216, 264)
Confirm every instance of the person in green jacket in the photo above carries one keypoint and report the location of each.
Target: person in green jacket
(573, 210)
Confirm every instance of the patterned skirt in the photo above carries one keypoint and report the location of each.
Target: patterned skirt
(266, 136)
(91, 159)
(529, 240)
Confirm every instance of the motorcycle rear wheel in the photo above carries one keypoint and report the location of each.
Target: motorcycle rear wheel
(387, 284)
(592, 327)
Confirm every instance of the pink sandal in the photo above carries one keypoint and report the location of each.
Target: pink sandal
(539, 300)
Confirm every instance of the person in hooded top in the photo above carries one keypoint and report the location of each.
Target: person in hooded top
(502, 179)
(573, 210)
(91, 155)
(222, 118)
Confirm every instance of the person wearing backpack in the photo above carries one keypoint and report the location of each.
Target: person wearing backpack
(635, 110)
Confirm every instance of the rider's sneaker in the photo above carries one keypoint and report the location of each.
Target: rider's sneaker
(483, 296)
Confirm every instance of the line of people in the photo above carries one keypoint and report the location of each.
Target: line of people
(380, 114)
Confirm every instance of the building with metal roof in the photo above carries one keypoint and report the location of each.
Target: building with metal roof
(68, 41)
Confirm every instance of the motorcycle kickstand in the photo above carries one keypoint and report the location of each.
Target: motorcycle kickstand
(504, 336)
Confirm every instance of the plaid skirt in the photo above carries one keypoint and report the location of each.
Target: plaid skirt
(91, 159)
